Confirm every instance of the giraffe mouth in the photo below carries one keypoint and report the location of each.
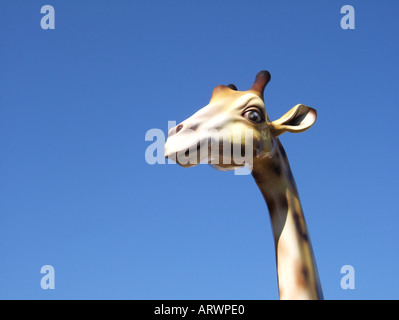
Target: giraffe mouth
(205, 143)
(191, 156)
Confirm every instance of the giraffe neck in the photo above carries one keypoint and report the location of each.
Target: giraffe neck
(296, 268)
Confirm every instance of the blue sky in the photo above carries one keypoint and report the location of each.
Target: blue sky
(77, 193)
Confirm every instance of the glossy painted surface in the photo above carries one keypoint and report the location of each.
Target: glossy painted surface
(227, 112)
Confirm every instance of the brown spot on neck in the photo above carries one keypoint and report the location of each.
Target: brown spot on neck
(299, 224)
(273, 172)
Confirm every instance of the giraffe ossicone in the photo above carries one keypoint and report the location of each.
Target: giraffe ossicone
(234, 130)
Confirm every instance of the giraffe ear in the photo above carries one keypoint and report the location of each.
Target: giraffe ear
(300, 118)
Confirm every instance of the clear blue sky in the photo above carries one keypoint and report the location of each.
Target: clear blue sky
(75, 189)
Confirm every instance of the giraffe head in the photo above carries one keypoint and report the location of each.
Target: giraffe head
(233, 128)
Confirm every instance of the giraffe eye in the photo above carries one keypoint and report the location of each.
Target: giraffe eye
(253, 115)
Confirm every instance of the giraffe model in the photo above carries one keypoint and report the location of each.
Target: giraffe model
(232, 113)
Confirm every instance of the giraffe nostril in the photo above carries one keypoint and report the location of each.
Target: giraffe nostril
(179, 127)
